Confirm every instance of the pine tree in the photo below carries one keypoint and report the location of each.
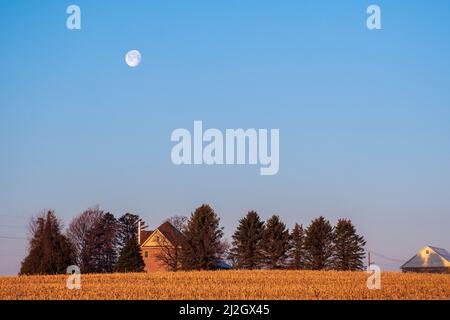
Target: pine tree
(297, 254)
(319, 244)
(50, 252)
(245, 252)
(275, 244)
(127, 229)
(348, 253)
(202, 249)
(100, 253)
(130, 258)
(32, 262)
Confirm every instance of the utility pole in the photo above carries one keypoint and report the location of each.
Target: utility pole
(369, 262)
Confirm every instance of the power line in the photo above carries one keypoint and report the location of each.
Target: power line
(11, 226)
(387, 258)
(13, 238)
(11, 255)
(14, 216)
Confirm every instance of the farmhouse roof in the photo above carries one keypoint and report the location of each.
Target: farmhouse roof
(145, 235)
(171, 233)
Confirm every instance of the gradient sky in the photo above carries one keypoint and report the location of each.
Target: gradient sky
(363, 115)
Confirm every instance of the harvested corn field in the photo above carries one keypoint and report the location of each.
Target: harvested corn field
(253, 285)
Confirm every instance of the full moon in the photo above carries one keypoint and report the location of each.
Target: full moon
(133, 58)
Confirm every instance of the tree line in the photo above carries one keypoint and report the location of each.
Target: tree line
(97, 242)
(270, 245)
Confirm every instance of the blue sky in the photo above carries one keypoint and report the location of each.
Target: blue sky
(363, 115)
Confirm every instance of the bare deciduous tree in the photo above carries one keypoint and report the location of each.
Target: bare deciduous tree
(172, 242)
(79, 227)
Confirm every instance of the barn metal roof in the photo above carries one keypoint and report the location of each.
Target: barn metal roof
(429, 257)
(442, 252)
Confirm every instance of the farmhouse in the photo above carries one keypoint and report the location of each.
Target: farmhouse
(155, 243)
(163, 241)
(429, 259)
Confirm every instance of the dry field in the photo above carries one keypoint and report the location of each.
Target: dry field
(290, 285)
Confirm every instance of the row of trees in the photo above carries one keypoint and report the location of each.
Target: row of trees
(259, 244)
(99, 243)
(95, 241)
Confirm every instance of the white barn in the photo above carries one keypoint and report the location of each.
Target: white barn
(429, 259)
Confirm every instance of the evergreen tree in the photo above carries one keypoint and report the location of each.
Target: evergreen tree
(348, 253)
(32, 262)
(245, 252)
(100, 252)
(297, 253)
(50, 252)
(202, 249)
(275, 244)
(319, 244)
(130, 258)
(128, 224)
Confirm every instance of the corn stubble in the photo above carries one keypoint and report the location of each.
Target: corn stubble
(253, 285)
